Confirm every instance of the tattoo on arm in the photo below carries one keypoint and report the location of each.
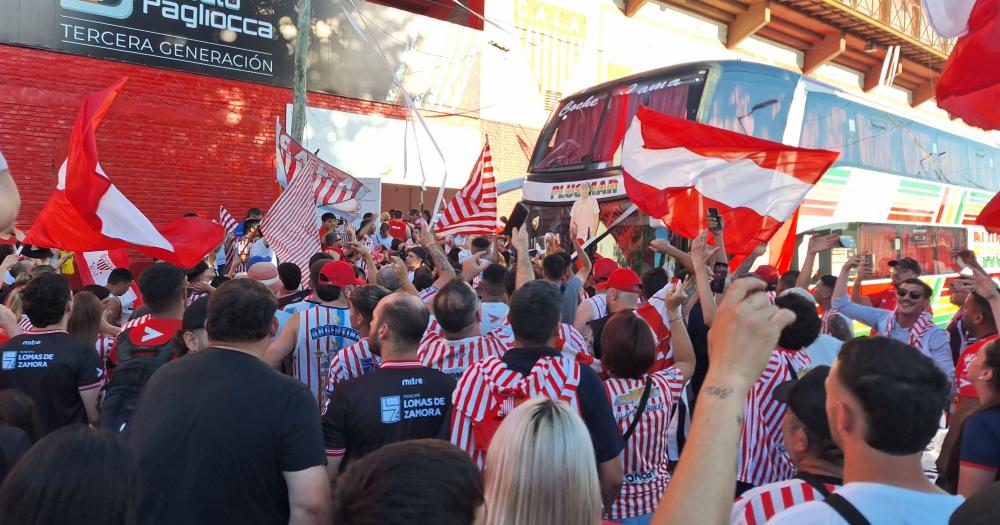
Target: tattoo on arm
(719, 392)
(440, 261)
(744, 267)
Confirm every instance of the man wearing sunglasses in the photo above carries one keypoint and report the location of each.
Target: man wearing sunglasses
(911, 322)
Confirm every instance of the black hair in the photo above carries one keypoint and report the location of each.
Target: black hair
(120, 276)
(928, 291)
(326, 292)
(414, 211)
(456, 306)
(828, 281)
(396, 214)
(99, 291)
(327, 216)
(453, 254)
(240, 310)
(255, 211)
(365, 298)
(290, 275)
(417, 481)
(824, 448)
(493, 280)
(162, 286)
(984, 306)
(510, 282)
(197, 270)
(804, 331)
(480, 244)
(6, 249)
(653, 280)
(554, 266)
(218, 280)
(44, 299)
(407, 317)
(316, 263)
(901, 391)
(787, 279)
(18, 409)
(535, 312)
(422, 278)
(76, 475)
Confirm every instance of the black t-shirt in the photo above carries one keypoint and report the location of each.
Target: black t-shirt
(399, 401)
(213, 432)
(51, 367)
(698, 333)
(594, 406)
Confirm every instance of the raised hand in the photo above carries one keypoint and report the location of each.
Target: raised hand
(676, 298)
(701, 252)
(659, 245)
(822, 243)
(519, 238)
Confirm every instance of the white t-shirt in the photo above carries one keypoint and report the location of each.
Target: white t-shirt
(824, 350)
(493, 316)
(880, 504)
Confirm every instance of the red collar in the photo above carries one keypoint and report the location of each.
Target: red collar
(402, 364)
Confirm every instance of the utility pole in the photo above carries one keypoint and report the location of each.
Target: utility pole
(304, 27)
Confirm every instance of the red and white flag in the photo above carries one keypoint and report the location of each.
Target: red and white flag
(95, 267)
(87, 213)
(290, 225)
(226, 219)
(989, 217)
(969, 86)
(675, 169)
(473, 210)
(330, 185)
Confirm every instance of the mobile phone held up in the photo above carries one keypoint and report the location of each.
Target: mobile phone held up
(714, 220)
(516, 220)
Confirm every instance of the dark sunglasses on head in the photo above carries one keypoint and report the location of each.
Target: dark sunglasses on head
(913, 293)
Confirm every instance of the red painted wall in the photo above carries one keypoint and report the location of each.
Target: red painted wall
(173, 142)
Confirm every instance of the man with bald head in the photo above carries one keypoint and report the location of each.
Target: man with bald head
(399, 401)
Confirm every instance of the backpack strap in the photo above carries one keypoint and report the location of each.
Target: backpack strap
(638, 411)
(849, 512)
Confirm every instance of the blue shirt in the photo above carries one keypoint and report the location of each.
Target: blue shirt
(981, 441)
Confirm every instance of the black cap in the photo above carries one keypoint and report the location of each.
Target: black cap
(195, 314)
(907, 263)
(806, 398)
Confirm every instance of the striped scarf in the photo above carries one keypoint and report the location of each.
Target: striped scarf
(828, 315)
(918, 333)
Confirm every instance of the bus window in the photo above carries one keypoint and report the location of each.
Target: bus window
(571, 132)
(951, 161)
(826, 125)
(877, 140)
(669, 95)
(917, 148)
(917, 243)
(736, 95)
(880, 241)
(981, 166)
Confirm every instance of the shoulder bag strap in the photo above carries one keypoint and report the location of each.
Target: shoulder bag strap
(849, 512)
(815, 483)
(640, 410)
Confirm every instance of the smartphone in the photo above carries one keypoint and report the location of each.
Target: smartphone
(847, 241)
(870, 262)
(716, 219)
(516, 220)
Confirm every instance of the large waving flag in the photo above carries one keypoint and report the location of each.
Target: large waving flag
(969, 86)
(330, 185)
(675, 169)
(290, 226)
(226, 219)
(473, 210)
(87, 213)
(989, 217)
(96, 267)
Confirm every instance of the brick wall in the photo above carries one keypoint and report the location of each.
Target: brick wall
(173, 142)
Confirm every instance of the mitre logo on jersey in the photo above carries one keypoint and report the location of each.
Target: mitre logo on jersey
(120, 9)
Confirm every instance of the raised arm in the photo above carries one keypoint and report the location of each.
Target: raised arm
(399, 267)
(663, 246)
(585, 264)
(525, 272)
(739, 345)
(680, 343)
(444, 270)
(817, 244)
(744, 267)
(700, 254)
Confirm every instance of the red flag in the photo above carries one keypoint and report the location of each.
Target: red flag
(95, 267)
(969, 86)
(782, 245)
(675, 169)
(473, 210)
(989, 217)
(87, 213)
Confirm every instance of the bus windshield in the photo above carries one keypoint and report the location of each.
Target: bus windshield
(588, 129)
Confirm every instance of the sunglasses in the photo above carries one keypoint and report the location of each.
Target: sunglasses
(913, 293)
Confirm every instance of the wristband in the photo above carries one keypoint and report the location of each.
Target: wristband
(672, 319)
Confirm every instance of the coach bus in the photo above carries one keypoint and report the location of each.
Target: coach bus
(901, 187)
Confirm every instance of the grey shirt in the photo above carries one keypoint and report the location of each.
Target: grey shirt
(938, 345)
(571, 298)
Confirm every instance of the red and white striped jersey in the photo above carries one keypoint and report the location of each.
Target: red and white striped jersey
(103, 346)
(427, 294)
(354, 361)
(570, 342)
(323, 332)
(489, 383)
(455, 357)
(762, 458)
(135, 322)
(645, 458)
(760, 504)
(598, 304)
(24, 324)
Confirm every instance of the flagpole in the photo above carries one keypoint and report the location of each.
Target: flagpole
(304, 26)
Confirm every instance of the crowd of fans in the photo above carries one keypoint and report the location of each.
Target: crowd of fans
(469, 379)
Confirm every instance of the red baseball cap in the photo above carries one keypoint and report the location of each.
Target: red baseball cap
(768, 273)
(339, 274)
(623, 279)
(603, 268)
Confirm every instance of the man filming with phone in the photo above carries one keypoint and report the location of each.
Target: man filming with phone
(910, 322)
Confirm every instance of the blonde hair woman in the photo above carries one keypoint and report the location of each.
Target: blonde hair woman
(540, 469)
